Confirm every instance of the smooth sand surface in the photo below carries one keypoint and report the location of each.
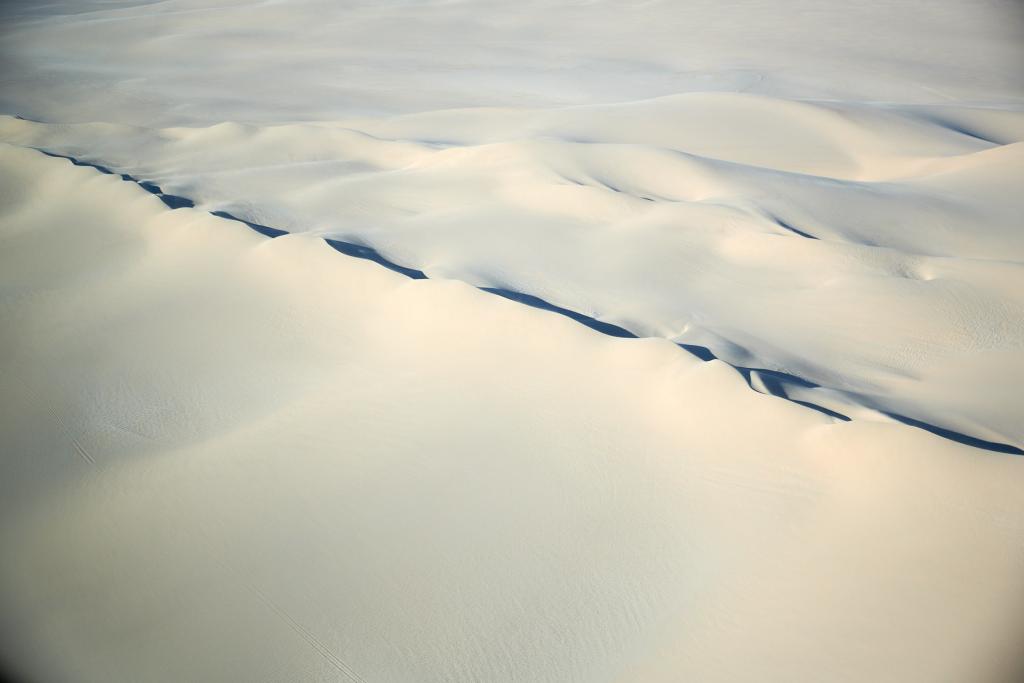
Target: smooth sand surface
(659, 341)
(258, 459)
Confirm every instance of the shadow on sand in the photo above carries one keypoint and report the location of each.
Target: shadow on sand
(773, 381)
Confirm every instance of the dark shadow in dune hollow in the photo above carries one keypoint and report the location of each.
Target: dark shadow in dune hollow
(172, 201)
(787, 226)
(959, 437)
(773, 381)
(348, 248)
(261, 229)
(371, 254)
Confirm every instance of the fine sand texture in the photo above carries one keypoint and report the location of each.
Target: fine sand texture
(462, 340)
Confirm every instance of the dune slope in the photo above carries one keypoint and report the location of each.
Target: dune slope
(557, 340)
(380, 482)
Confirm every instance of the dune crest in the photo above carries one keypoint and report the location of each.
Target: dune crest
(546, 341)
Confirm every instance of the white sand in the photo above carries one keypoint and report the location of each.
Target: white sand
(228, 457)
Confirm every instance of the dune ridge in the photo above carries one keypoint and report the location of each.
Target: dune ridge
(740, 248)
(222, 405)
(547, 341)
(770, 382)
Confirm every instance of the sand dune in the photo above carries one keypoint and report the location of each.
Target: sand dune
(360, 484)
(544, 341)
(742, 246)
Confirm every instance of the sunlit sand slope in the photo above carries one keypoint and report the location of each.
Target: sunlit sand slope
(548, 341)
(261, 459)
(874, 253)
